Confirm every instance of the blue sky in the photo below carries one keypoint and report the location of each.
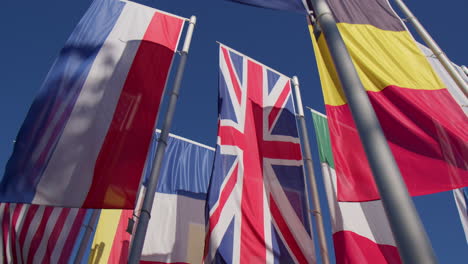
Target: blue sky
(34, 31)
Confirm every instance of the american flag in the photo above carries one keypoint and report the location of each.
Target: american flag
(256, 207)
(38, 234)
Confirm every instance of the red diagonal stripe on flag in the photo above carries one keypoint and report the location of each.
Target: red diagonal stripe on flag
(286, 232)
(278, 105)
(232, 74)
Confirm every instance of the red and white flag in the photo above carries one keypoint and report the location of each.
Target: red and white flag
(361, 231)
(38, 234)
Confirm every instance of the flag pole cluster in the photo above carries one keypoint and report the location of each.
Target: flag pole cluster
(88, 142)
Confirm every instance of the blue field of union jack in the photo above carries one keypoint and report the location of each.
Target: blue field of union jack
(256, 206)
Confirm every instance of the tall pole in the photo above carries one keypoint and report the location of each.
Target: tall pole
(145, 213)
(90, 228)
(434, 47)
(310, 171)
(410, 236)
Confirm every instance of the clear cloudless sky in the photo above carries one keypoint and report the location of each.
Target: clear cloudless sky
(33, 32)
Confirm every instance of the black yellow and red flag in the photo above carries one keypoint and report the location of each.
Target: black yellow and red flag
(424, 126)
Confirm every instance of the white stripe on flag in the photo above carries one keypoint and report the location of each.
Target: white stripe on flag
(41, 251)
(32, 229)
(2, 213)
(54, 258)
(461, 201)
(167, 239)
(452, 87)
(367, 219)
(100, 94)
(18, 227)
(10, 229)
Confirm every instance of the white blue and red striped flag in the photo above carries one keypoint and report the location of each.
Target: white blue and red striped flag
(256, 204)
(85, 139)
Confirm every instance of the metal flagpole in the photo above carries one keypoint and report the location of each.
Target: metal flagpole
(145, 213)
(410, 236)
(310, 171)
(434, 47)
(465, 69)
(90, 228)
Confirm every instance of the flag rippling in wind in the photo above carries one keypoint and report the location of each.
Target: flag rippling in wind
(176, 229)
(361, 231)
(256, 206)
(85, 139)
(38, 234)
(424, 126)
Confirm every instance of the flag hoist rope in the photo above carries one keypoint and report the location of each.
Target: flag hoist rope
(310, 171)
(145, 214)
(410, 236)
(440, 55)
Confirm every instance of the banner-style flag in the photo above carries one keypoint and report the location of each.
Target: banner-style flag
(361, 231)
(176, 230)
(85, 139)
(299, 6)
(461, 199)
(256, 202)
(424, 126)
(38, 234)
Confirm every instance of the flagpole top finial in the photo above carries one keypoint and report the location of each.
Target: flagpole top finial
(295, 81)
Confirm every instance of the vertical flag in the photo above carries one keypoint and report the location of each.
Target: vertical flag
(256, 207)
(38, 234)
(361, 232)
(424, 127)
(460, 195)
(177, 226)
(86, 136)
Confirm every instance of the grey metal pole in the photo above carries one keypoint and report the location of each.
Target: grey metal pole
(145, 213)
(410, 236)
(90, 228)
(310, 170)
(434, 47)
(465, 69)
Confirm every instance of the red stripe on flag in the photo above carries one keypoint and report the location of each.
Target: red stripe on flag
(71, 239)
(39, 235)
(252, 244)
(223, 197)
(55, 234)
(353, 248)
(13, 231)
(120, 163)
(285, 232)
(429, 148)
(279, 105)
(282, 150)
(232, 74)
(120, 246)
(31, 211)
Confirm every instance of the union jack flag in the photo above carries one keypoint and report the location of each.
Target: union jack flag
(256, 206)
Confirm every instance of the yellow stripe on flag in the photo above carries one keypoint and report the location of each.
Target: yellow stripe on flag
(104, 237)
(381, 58)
